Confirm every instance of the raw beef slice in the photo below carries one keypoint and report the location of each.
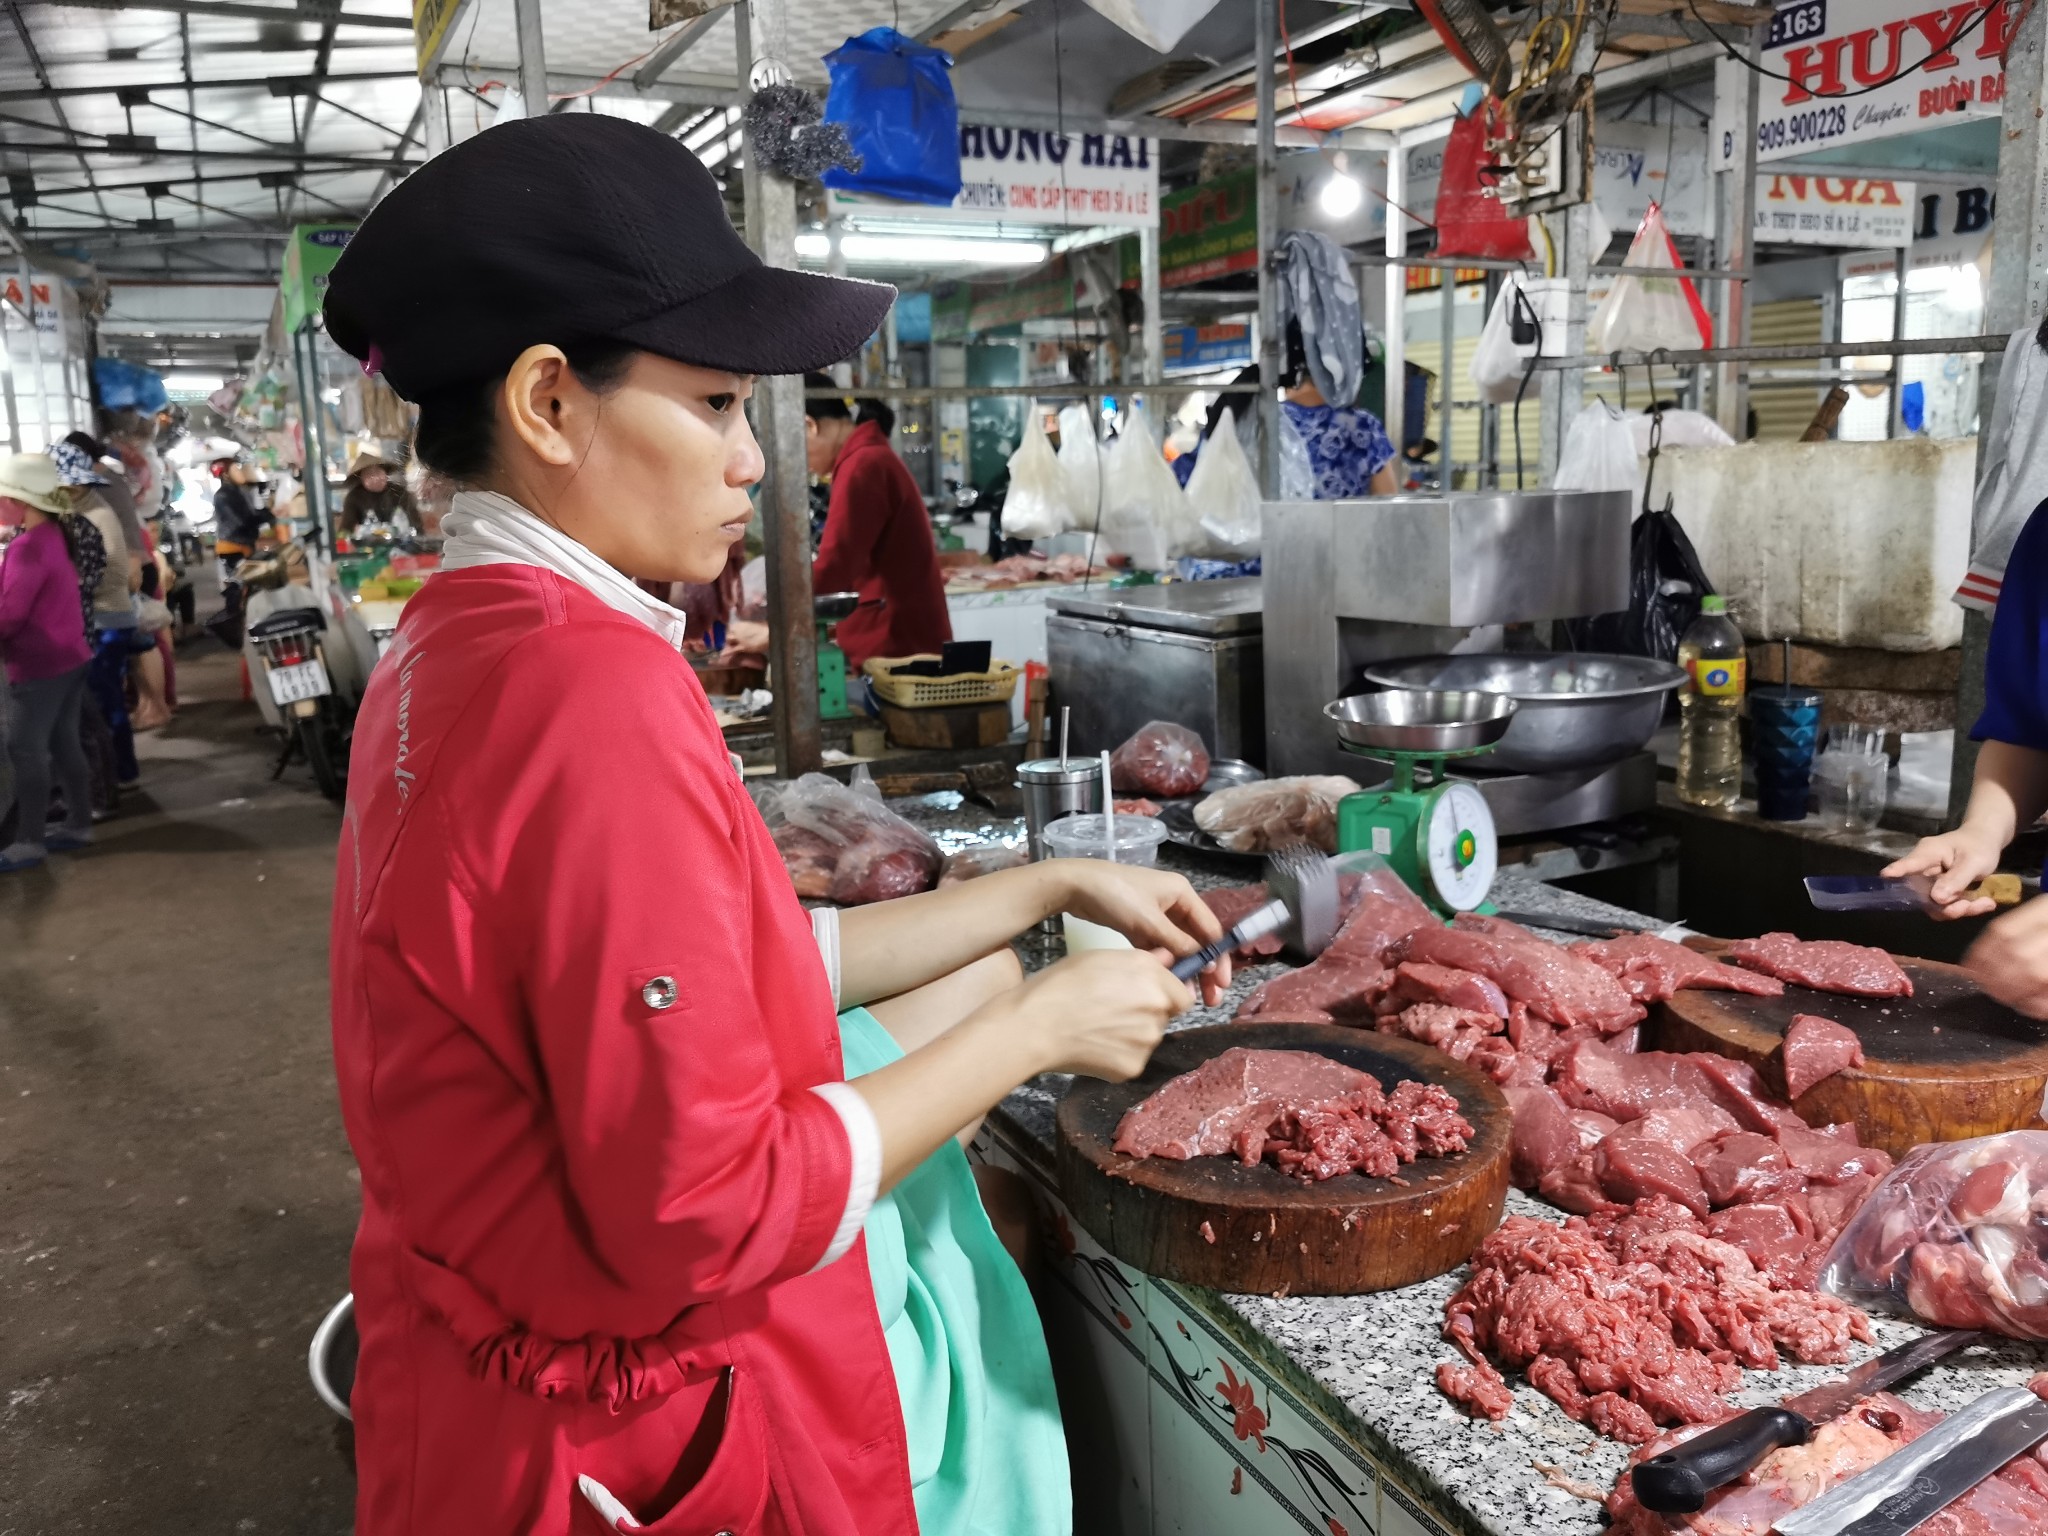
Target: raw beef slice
(1826, 965)
(1653, 969)
(1418, 983)
(1557, 985)
(1816, 1049)
(1200, 1113)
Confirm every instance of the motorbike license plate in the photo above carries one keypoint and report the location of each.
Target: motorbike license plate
(306, 680)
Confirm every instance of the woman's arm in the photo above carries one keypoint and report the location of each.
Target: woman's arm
(893, 946)
(1384, 482)
(21, 578)
(2009, 793)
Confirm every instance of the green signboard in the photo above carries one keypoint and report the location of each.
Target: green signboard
(1209, 230)
(313, 251)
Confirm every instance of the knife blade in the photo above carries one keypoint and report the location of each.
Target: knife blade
(1679, 1481)
(1913, 1484)
(1558, 922)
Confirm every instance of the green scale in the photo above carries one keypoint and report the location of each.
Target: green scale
(1436, 832)
(829, 608)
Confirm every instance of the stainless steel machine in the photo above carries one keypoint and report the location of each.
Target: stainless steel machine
(1352, 585)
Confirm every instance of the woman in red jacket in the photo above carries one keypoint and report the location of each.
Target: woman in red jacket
(609, 1273)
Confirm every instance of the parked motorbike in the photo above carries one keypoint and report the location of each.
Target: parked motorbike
(290, 644)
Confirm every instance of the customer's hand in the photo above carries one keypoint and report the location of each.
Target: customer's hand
(1101, 1013)
(1155, 910)
(1957, 860)
(745, 637)
(2011, 959)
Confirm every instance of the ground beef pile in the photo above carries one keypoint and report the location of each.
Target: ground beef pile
(1628, 1320)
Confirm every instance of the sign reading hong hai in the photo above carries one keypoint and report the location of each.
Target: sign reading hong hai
(1869, 69)
(1027, 176)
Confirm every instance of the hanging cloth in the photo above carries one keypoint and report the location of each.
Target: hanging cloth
(1318, 292)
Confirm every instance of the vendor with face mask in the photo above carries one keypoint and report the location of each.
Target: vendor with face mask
(635, 1252)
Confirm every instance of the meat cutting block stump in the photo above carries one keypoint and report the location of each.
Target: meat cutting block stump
(1948, 1063)
(1272, 1233)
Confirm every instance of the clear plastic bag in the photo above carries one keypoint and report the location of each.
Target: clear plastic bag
(1600, 454)
(1036, 506)
(845, 845)
(1258, 818)
(1145, 513)
(1955, 1236)
(1223, 491)
(1161, 759)
(1652, 304)
(1081, 464)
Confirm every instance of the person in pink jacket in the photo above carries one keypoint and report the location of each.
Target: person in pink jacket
(610, 1274)
(42, 638)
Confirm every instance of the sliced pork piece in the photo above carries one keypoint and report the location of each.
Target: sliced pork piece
(1200, 1113)
(1815, 1049)
(1556, 984)
(1653, 969)
(1825, 965)
(1414, 982)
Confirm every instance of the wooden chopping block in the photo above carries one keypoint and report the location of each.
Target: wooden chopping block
(967, 725)
(1946, 1064)
(1272, 1233)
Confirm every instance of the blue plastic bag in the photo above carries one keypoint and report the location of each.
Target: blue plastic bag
(128, 386)
(895, 100)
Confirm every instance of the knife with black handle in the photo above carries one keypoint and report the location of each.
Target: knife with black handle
(1679, 1481)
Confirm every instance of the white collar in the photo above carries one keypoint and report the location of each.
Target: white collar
(485, 528)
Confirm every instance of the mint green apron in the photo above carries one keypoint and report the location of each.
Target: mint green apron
(987, 1454)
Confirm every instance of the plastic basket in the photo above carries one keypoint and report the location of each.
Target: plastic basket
(991, 687)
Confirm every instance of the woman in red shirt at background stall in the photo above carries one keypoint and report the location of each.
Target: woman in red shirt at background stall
(610, 1274)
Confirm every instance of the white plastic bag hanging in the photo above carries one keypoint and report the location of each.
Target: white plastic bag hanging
(1600, 454)
(1145, 513)
(1223, 491)
(1036, 506)
(1081, 464)
(1652, 304)
(1498, 364)
(1158, 24)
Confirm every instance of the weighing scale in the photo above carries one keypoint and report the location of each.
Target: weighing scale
(1439, 837)
(828, 608)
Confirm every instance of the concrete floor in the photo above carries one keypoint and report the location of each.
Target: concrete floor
(176, 1195)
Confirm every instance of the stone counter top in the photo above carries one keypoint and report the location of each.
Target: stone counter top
(1367, 1363)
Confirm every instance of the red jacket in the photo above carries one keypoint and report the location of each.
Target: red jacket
(878, 542)
(577, 1012)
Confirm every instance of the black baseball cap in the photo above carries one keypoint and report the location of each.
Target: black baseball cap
(575, 228)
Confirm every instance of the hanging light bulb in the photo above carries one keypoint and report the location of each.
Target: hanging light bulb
(1341, 194)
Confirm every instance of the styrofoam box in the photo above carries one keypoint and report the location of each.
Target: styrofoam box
(1853, 544)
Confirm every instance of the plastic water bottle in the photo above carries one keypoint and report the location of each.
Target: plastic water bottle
(1716, 664)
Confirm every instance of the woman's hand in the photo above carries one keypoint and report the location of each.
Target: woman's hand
(1101, 1013)
(1156, 911)
(1957, 860)
(745, 637)
(2011, 959)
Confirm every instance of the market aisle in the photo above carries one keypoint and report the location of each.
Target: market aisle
(176, 1197)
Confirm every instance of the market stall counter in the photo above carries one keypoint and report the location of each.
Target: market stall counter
(1197, 1412)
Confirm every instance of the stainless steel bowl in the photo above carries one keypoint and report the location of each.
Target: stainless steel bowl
(1229, 773)
(1577, 711)
(1422, 720)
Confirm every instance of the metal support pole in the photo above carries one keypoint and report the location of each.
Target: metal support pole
(1896, 427)
(41, 392)
(1396, 421)
(1487, 476)
(1265, 37)
(2017, 291)
(1449, 334)
(1564, 392)
(1735, 118)
(779, 423)
(1148, 292)
(533, 59)
(434, 127)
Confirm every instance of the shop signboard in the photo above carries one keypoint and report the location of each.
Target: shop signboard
(311, 255)
(1862, 70)
(39, 301)
(1952, 228)
(1205, 348)
(1029, 176)
(1209, 230)
(1858, 211)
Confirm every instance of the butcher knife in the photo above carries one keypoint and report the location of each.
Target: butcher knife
(1558, 922)
(1914, 1484)
(1678, 1482)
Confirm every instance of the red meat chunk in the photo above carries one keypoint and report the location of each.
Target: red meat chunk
(1825, 965)
(1232, 904)
(1478, 1389)
(1769, 1235)
(1414, 982)
(1342, 982)
(1815, 1049)
(1743, 1166)
(1454, 1031)
(1653, 969)
(1826, 1159)
(1557, 985)
(1632, 1168)
(1545, 1137)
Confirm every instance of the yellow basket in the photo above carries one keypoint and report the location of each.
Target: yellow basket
(991, 687)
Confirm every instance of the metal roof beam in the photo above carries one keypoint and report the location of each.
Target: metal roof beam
(257, 83)
(277, 158)
(1223, 74)
(236, 10)
(672, 48)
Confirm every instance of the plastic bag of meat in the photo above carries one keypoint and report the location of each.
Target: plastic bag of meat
(1163, 760)
(982, 859)
(1277, 813)
(1956, 1236)
(841, 845)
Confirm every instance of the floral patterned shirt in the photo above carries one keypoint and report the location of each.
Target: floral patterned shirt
(1346, 448)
